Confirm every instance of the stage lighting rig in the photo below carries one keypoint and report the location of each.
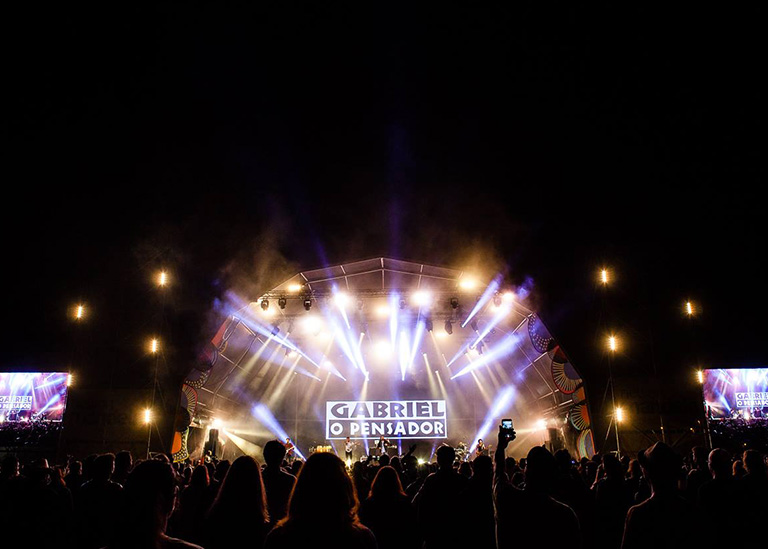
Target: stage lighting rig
(428, 324)
(307, 303)
(454, 303)
(282, 302)
(448, 327)
(264, 304)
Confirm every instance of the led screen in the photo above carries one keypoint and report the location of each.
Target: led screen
(736, 393)
(26, 396)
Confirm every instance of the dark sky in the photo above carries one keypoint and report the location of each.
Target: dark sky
(224, 142)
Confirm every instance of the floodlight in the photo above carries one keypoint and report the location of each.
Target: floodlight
(264, 304)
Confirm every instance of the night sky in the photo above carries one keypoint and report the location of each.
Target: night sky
(238, 145)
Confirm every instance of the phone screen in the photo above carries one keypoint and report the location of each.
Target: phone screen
(506, 423)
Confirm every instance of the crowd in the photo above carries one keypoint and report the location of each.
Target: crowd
(659, 499)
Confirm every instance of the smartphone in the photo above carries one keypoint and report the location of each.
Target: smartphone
(506, 427)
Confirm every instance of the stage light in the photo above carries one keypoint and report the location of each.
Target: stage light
(275, 329)
(604, 277)
(420, 461)
(264, 304)
(294, 287)
(497, 300)
(613, 343)
(428, 324)
(480, 346)
(382, 311)
(541, 424)
(473, 325)
(700, 376)
(422, 298)
(402, 304)
(454, 303)
(448, 327)
(80, 312)
(282, 302)
(70, 380)
(147, 416)
(162, 278)
(383, 349)
(307, 304)
(619, 413)
(467, 284)
(154, 346)
(216, 423)
(341, 299)
(509, 296)
(689, 308)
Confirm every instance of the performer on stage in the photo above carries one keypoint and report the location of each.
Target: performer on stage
(289, 450)
(348, 447)
(480, 450)
(382, 445)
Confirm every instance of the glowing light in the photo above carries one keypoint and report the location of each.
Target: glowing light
(700, 376)
(147, 416)
(383, 349)
(541, 424)
(619, 414)
(467, 283)
(70, 380)
(312, 324)
(80, 312)
(216, 423)
(382, 311)
(341, 299)
(604, 277)
(420, 461)
(613, 343)
(162, 278)
(689, 308)
(154, 346)
(422, 298)
(294, 287)
(508, 297)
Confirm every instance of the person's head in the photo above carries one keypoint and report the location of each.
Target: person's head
(479, 441)
(634, 468)
(445, 457)
(564, 460)
(200, 477)
(410, 463)
(386, 484)
(465, 468)
(699, 454)
(274, 452)
(661, 466)
(612, 466)
(719, 463)
(103, 466)
(384, 459)
(123, 461)
(349, 439)
(738, 468)
(242, 490)
(482, 468)
(76, 468)
(540, 469)
(296, 466)
(323, 493)
(149, 497)
(753, 463)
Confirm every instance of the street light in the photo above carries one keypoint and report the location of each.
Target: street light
(604, 276)
(162, 278)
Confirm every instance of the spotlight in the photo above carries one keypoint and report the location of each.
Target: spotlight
(454, 303)
(428, 324)
(448, 327)
(497, 299)
(307, 304)
(282, 302)
(275, 329)
(264, 304)
(480, 346)
(402, 304)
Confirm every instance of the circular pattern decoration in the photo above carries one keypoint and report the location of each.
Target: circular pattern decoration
(181, 443)
(579, 416)
(585, 444)
(189, 394)
(541, 343)
(197, 378)
(565, 377)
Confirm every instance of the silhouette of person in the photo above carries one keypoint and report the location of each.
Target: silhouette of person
(440, 518)
(323, 506)
(96, 502)
(388, 512)
(526, 517)
(478, 498)
(149, 497)
(239, 511)
(277, 482)
(665, 519)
